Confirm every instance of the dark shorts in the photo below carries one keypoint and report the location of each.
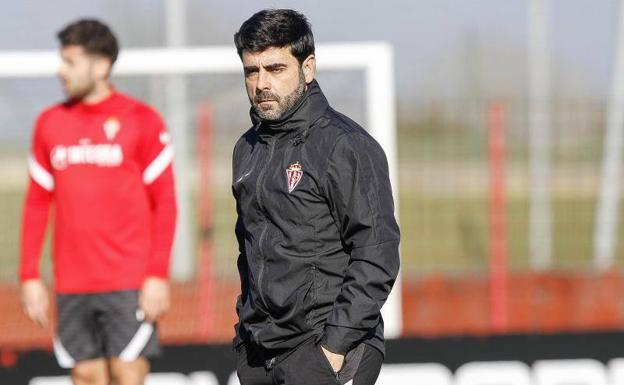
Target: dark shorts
(307, 365)
(102, 325)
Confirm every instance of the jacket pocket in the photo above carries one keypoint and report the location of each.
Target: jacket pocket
(310, 298)
(289, 291)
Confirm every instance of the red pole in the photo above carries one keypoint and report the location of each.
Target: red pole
(498, 237)
(205, 299)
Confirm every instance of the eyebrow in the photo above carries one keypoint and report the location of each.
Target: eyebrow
(274, 66)
(268, 67)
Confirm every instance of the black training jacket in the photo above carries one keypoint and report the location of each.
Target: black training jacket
(317, 236)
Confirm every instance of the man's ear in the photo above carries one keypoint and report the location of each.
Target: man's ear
(101, 67)
(309, 68)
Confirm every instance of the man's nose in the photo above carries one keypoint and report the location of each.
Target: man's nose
(61, 70)
(264, 82)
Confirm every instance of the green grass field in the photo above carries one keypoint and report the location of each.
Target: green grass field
(439, 234)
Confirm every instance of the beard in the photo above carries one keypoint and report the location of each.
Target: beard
(284, 104)
(77, 90)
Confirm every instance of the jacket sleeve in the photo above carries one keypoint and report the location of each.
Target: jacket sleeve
(36, 205)
(156, 157)
(360, 198)
(241, 262)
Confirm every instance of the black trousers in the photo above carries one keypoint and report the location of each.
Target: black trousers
(306, 365)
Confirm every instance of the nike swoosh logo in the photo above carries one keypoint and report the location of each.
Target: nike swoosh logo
(242, 177)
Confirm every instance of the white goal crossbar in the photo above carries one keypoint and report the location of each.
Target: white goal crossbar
(375, 59)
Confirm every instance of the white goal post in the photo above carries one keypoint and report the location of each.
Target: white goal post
(375, 59)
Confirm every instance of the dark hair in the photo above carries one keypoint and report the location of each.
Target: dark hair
(93, 36)
(276, 28)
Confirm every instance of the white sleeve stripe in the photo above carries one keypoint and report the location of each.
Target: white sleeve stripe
(134, 348)
(158, 165)
(63, 358)
(40, 174)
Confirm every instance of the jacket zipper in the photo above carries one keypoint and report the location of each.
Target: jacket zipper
(266, 223)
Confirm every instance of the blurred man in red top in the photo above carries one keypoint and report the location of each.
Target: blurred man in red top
(103, 161)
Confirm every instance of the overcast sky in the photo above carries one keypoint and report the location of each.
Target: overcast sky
(426, 34)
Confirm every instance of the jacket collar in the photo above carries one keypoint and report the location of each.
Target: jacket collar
(296, 122)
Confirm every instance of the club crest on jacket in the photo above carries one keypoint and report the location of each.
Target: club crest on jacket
(294, 172)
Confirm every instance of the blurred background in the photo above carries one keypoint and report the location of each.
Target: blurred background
(509, 128)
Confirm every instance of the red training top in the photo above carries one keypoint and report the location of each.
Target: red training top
(107, 168)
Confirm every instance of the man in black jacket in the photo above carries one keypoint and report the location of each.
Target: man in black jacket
(317, 236)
